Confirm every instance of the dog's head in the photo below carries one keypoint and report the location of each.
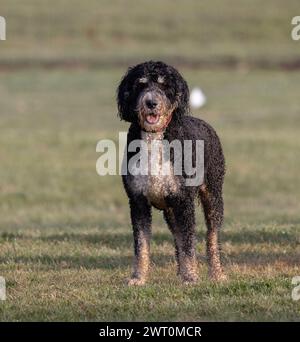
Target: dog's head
(152, 94)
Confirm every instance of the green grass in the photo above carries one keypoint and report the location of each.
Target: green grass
(213, 31)
(65, 235)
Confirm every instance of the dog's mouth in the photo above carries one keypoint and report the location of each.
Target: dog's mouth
(152, 118)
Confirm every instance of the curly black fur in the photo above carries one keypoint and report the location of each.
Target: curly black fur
(179, 209)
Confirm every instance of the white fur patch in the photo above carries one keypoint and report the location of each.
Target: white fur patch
(143, 80)
(158, 186)
(161, 79)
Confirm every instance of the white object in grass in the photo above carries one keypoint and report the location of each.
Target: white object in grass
(197, 98)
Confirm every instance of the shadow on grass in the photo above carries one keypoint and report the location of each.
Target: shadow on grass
(262, 236)
(47, 261)
(112, 240)
(263, 259)
(107, 239)
(124, 239)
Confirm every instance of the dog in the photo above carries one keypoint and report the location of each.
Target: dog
(154, 98)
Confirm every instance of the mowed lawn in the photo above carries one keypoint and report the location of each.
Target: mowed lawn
(65, 235)
(105, 32)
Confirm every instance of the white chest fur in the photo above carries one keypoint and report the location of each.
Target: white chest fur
(160, 181)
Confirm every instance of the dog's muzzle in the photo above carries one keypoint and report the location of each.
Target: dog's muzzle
(151, 101)
(154, 109)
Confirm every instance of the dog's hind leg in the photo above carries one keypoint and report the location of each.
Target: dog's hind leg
(213, 207)
(170, 220)
(141, 223)
(181, 222)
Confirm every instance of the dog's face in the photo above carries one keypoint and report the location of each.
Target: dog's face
(153, 107)
(152, 94)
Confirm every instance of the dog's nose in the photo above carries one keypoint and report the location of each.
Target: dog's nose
(151, 104)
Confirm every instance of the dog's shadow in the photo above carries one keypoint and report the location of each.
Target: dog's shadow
(116, 241)
(124, 241)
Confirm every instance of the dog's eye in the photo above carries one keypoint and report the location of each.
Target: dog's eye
(143, 80)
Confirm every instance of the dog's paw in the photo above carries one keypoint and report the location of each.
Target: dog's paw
(136, 281)
(189, 279)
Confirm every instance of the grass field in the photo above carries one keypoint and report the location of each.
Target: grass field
(115, 32)
(65, 235)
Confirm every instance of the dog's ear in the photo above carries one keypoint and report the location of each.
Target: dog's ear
(182, 98)
(183, 94)
(125, 110)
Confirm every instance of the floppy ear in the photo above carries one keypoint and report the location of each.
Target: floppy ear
(183, 95)
(124, 90)
(182, 98)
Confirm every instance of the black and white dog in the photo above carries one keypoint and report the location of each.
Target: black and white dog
(154, 98)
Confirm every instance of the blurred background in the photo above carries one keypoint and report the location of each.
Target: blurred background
(59, 69)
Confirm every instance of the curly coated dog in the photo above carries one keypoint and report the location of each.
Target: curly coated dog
(154, 98)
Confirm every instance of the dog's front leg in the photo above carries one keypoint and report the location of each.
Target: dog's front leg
(141, 224)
